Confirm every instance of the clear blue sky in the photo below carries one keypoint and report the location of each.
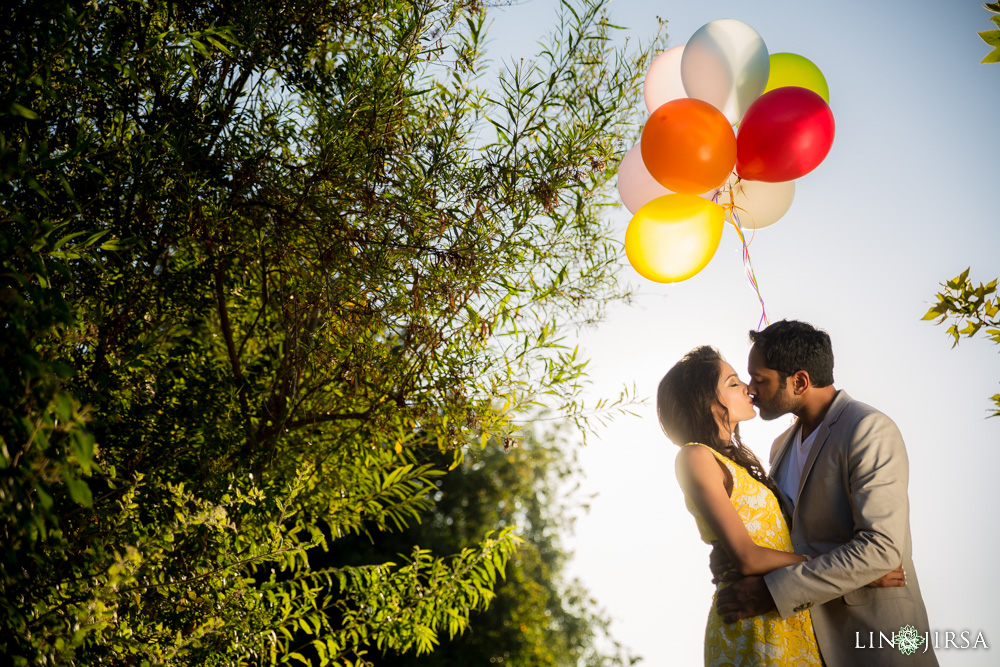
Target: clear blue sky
(905, 200)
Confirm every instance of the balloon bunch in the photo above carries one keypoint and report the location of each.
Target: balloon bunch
(691, 172)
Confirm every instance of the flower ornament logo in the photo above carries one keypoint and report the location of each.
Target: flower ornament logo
(908, 640)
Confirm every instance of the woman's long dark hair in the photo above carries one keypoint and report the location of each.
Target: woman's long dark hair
(685, 403)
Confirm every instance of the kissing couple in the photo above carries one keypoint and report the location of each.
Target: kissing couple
(817, 553)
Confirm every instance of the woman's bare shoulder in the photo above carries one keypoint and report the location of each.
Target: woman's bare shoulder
(695, 458)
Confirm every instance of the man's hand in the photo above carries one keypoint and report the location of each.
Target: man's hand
(744, 598)
(894, 579)
(719, 563)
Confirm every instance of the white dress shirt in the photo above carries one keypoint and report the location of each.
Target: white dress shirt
(791, 473)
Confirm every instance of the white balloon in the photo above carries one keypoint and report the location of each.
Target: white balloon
(725, 63)
(636, 185)
(663, 79)
(757, 204)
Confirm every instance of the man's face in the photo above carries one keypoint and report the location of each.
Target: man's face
(771, 394)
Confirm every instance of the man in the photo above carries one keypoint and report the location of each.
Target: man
(843, 472)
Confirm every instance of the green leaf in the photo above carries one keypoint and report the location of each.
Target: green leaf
(92, 239)
(37, 187)
(991, 37)
(200, 48)
(63, 406)
(79, 491)
(991, 57)
(217, 44)
(43, 497)
(19, 110)
(61, 242)
(83, 449)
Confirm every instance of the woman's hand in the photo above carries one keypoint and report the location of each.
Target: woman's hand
(894, 579)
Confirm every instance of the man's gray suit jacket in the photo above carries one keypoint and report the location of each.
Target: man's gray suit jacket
(853, 518)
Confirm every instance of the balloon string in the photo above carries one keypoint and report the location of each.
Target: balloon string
(734, 218)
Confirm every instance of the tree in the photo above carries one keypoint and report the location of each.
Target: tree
(263, 264)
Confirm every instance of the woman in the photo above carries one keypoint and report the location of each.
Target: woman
(700, 403)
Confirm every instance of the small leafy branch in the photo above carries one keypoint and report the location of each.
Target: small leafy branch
(969, 308)
(992, 37)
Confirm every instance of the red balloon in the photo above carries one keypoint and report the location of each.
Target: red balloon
(784, 135)
(688, 146)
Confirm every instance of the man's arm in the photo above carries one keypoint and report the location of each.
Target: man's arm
(878, 474)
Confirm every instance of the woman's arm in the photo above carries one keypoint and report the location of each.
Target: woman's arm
(704, 482)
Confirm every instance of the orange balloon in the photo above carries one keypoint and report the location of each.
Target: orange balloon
(688, 146)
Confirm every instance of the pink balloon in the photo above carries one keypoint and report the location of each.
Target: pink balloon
(635, 184)
(663, 79)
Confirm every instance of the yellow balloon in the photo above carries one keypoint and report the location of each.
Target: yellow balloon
(790, 69)
(673, 237)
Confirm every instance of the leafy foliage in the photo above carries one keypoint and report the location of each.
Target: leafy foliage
(969, 308)
(268, 271)
(537, 618)
(992, 37)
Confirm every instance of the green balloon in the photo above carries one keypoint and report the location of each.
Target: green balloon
(790, 69)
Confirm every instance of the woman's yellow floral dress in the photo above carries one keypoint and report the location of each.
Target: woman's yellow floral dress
(767, 639)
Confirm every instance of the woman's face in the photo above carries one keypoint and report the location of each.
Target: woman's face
(734, 395)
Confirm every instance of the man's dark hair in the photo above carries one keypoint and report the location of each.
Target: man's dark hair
(789, 346)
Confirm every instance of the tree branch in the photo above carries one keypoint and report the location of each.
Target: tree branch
(319, 419)
(234, 360)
